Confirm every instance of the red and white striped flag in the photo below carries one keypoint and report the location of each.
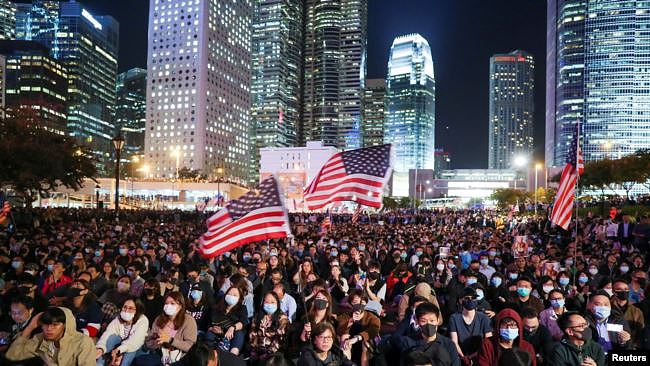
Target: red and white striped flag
(563, 206)
(325, 224)
(355, 175)
(356, 214)
(256, 216)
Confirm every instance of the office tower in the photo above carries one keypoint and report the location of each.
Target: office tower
(198, 87)
(36, 82)
(373, 112)
(616, 79)
(87, 45)
(130, 109)
(276, 75)
(410, 103)
(7, 20)
(334, 71)
(512, 83)
(564, 76)
(443, 161)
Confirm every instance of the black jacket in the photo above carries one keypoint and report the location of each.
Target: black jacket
(614, 318)
(567, 354)
(336, 358)
(542, 341)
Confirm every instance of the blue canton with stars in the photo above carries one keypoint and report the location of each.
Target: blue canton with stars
(266, 195)
(572, 154)
(373, 160)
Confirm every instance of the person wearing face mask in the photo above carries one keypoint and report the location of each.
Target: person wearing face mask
(197, 306)
(509, 326)
(637, 285)
(577, 347)
(564, 283)
(268, 330)
(124, 335)
(523, 297)
(537, 335)
(229, 319)
(422, 289)
(549, 316)
(497, 293)
(83, 303)
(358, 327)
(320, 311)
(484, 267)
(173, 333)
(468, 328)
(115, 296)
(152, 298)
(631, 314)
(602, 320)
(55, 279)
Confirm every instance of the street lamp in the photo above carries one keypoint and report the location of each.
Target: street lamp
(537, 167)
(219, 172)
(97, 187)
(519, 162)
(118, 142)
(176, 154)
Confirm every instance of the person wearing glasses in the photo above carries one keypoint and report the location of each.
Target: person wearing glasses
(320, 352)
(123, 336)
(509, 336)
(577, 348)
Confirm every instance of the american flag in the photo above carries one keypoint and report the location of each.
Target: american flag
(256, 216)
(326, 223)
(356, 214)
(5, 209)
(563, 205)
(355, 175)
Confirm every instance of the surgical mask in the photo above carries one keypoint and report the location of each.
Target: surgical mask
(333, 253)
(246, 258)
(231, 300)
(123, 251)
(492, 253)
(593, 271)
(361, 247)
(418, 253)
(556, 304)
(547, 289)
(16, 264)
(509, 334)
(496, 281)
(429, 330)
(50, 267)
(563, 281)
(625, 269)
(479, 294)
(498, 262)
(126, 316)
(123, 286)
(226, 255)
(602, 312)
(345, 247)
(129, 273)
(569, 262)
(471, 281)
(583, 279)
(451, 266)
(523, 291)
(170, 309)
(270, 308)
(609, 291)
(440, 267)
(513, 276)
(196, 294)
(403, 255)
(98, 253)
(484, 262)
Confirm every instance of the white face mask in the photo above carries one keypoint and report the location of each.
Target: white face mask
(170, 309)
(126, 316)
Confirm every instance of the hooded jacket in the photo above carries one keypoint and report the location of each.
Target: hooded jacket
(75, 348)
(490, 352)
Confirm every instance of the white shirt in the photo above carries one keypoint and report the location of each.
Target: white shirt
(487, 271)
(134, 339)
(612, 229)
(288, 306)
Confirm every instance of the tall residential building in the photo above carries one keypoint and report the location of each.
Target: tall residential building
(410, 103)
(599, 76)
(130, 109)
(373, 113)
(87, 45)
(7, 20)
(198, 87)
(35, 81)
(276, 76)
(443, 161)
(335, 41)
(564, 76)
(512, 84)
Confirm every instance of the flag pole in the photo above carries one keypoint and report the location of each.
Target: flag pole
(575, 200)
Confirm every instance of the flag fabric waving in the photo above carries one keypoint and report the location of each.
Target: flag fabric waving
(256, 216)
(563, 205)
(354, 175)
(5, 209)
(356, 214)
(326, 223)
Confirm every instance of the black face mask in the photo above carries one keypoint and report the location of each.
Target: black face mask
(73, 292)
(320, 304)
(373, 276)
(470, 304)
(622, 295)
(585, 335)
(357, 308)
(529, 333)
(429, 330)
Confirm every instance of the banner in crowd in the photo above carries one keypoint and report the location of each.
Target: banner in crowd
(257, 215)
(355, 175)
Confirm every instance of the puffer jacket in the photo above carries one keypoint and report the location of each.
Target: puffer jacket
(75, 348)
(490, 352)
(566, 353)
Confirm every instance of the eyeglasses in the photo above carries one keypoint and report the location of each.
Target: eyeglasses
(129, 308)
(325, 338)
(583, 325)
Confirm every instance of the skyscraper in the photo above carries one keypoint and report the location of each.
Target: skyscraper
(564, 75)
(334, 71)
(373, 112)
(87, 46)
(512, 83)
(7, 20)
(276, 76)
(130, 109)
(597, 77)
(410, 103)
(35, 82)
(199, 87)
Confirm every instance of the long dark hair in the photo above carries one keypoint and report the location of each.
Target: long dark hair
(222, 306)
(275, 317)
(163, 318)
(139, 307)
(88, 299)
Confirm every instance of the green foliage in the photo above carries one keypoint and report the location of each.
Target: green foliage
(187, 173)
(509, 196)
(404, 202)
(389, 203)
(34, 160)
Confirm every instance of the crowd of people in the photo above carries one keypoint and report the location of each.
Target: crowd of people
(449, 287)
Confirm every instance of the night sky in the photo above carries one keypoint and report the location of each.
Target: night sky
(463, 34)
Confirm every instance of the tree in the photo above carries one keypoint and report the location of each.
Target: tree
(389, 203)
(509, 196)
(187, 173)
(36, 161)
(404, 202)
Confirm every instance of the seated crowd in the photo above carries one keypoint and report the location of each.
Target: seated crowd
(397, 288)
